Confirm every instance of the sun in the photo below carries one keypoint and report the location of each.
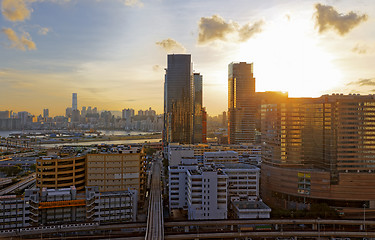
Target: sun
(289, 56)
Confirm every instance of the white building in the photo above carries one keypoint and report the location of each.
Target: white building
(243, 181)
(178, 194)
(207, 193)
(176, 154)
(220, 157)
(250, 209)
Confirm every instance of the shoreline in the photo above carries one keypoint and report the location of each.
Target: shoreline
(104, 138)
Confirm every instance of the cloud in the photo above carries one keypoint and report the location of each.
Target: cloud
(16, 10)
(216, 28)
(327, 17)
(364, 82)
(133, 3)
(248, 30)
(171, 45)
(23, 43)
(43, 31)
(360, 49)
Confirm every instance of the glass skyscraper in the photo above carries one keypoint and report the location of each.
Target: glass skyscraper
(241, 103)
(177, 99)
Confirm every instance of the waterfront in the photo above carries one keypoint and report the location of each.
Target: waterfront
(101, 142)
(103, 132)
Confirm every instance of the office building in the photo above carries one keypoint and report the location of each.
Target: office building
(177, 99)
(74, 101)
(197, 109)
(241, 103)
(322, 151)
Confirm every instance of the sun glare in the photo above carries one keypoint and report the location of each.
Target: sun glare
(287, 58)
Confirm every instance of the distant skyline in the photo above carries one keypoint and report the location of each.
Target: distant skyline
(113, 52)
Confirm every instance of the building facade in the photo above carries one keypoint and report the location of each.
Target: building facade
(241, 103)
(55, 173)
(322, 151)
(178, 99)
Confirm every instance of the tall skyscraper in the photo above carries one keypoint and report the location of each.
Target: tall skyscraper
(241, 103)
(74, 101)
(197, 116)
(45, 113)
(177, 99)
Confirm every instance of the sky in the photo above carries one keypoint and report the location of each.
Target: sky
(113, 52)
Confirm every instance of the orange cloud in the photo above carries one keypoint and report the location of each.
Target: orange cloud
(22, 43)
(16, 10)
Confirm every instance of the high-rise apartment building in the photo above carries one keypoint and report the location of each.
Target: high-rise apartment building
(4, 114)
(74, 101)
(322, 150)
(177, 99)
(241, 103)
(46, 113)
(127, 113)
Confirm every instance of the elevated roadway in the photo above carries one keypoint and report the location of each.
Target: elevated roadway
(155, 221)
(25, 182)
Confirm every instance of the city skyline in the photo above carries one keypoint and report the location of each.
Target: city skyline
(49, 50)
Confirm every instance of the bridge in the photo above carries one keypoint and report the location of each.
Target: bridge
(218, 229)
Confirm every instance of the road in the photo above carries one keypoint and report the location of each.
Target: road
(28, 180)
(155, 221)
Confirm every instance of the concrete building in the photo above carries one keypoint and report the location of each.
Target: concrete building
(221, 157)
(55, 173)
(243, 181)
(250, 210)
(207, 193)
(14, 212)
(241, 103)
(111, 207)
(66, 205)
(247, 153)
(178, 183)
(55, 206)
(116, 171)
(322, 150)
